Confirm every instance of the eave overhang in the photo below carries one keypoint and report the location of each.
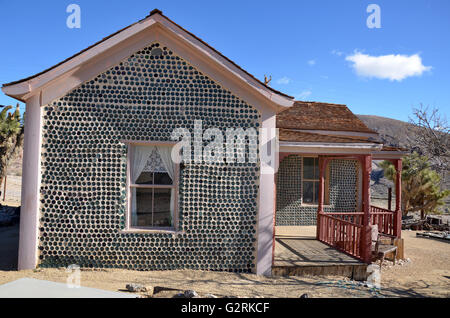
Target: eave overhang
(386, 155)
(329, 148)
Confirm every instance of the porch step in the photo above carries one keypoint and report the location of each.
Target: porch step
(356, 272)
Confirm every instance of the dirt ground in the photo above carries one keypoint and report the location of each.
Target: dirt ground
(221, 284)
(426, 275)
(13, 184)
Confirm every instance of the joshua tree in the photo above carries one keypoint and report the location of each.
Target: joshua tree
(420, 185)
(11, 137)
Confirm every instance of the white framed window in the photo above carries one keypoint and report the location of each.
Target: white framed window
(152, 181)
(310, 181)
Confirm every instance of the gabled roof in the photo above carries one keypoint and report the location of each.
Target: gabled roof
(321, 116)
(12, 89)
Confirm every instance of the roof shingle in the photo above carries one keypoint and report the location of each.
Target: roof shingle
(320, 116)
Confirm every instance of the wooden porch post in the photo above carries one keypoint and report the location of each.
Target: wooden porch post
(398, 199)
(322, 167)
(366, 241)
(390, 199)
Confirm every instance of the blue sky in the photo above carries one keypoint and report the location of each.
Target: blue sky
(319, 50)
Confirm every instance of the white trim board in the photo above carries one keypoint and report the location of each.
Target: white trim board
(328, 148)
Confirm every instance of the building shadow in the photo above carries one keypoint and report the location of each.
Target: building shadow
(9, 247)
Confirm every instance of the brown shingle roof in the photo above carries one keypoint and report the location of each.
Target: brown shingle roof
(320, 116)
(154, 11)
(299, 136)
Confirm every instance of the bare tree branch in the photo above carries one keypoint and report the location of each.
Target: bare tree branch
(432, 138)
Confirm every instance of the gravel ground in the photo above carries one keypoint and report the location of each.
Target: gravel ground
(426, 275)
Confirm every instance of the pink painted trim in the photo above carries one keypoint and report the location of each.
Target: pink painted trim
(266, 207)
(152, 186)
(128, 209)
(149, 143)
(31, 181)
(143, 230)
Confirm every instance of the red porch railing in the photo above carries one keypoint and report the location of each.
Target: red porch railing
(344, 231)
(350, 232)
(384, 218)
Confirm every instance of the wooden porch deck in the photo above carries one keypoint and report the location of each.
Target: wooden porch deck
(297, 256)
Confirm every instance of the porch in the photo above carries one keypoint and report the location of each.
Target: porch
(297, 253)
(341, 244)
(350, 232)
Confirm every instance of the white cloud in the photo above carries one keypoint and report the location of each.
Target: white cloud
(337, 52)
(284, 80)
(303, 94)
(312, 62)
(393, 67)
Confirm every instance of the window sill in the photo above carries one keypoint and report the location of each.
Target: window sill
(151, 231)
(314, 205)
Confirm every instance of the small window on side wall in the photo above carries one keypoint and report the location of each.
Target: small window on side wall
(153, 187)
(310, 181)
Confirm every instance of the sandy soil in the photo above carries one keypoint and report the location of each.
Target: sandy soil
(426, 275)
(13, 184)
(169, 283)
(218, 283)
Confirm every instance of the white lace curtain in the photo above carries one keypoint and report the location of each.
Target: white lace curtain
(140, 156)
(165, 152)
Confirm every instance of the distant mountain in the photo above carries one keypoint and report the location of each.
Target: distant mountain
(398, 133)
(392, 132)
